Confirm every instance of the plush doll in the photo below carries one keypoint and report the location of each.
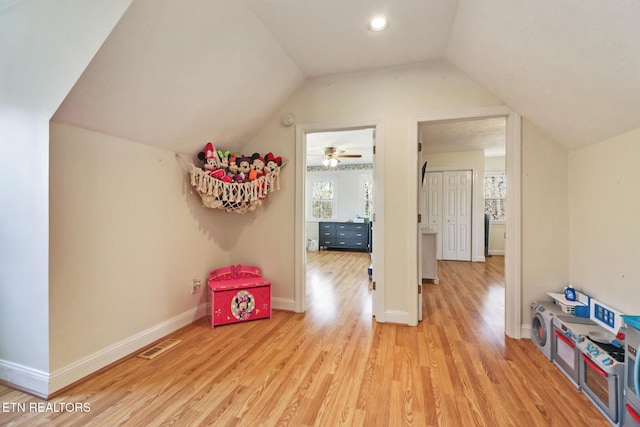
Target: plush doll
(257, 167)
(212, 163)
(224, 165)
(224, 159)
(244, 167)
(233, 167)
(272, 163)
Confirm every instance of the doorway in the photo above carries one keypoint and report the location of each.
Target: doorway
(340, 176)
(512, 252)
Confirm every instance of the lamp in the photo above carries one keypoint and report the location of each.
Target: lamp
(330, 162)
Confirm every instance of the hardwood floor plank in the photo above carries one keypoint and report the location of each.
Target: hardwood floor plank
(335, 366)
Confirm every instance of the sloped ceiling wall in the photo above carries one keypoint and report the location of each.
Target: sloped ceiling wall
(571, 67)
(176, 74)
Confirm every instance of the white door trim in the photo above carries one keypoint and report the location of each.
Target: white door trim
(513, 253)
(300, 217)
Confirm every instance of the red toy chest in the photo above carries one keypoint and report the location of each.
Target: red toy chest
(238, 293)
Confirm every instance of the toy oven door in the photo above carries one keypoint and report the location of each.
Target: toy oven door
(600, 386)
(564, 354)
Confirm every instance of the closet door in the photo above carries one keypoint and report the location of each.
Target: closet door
(434, 207)
(450, 215)
(456, 233)
(463, 217)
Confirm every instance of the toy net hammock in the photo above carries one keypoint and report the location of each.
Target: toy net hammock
(232, 196)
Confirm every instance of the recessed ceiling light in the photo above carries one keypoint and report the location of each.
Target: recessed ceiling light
(379, 23)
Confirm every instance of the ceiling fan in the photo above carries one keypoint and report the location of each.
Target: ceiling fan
(332, 156)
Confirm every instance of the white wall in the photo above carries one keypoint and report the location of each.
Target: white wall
(466, 160)
(38, 67)
(127, 236)
(349, 193)
(393, 96)
(603, 221)
(545, 217)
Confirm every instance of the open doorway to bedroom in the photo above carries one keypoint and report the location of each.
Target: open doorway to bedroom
(335, 216)
(462, 200)
(512, 174)
(339, 207)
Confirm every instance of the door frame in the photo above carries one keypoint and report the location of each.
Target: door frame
(513, 251)
(300, 256)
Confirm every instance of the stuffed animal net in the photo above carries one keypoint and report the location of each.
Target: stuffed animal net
(238, 197)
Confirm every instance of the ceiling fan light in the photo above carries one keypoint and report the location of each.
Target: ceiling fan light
(333, 162)
(325, 162)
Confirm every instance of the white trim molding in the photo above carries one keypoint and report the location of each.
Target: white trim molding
(93, 362)
(283, 304)
(396, 316)
(43, 384)
(24, 378)
(513, 252)
(300, 204)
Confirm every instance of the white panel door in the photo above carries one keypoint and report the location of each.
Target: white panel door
(456, 215)
(463, 217)
(434, 207)
(449, 215)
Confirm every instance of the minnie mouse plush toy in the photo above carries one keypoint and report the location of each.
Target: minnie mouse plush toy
(212, 165)
(272, 163)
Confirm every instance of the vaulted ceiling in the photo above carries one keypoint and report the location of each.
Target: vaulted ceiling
(176, 73)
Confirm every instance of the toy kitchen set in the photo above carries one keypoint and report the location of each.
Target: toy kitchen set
(595, 347)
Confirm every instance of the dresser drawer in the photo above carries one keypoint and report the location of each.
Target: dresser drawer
(327, 242)
(351, 226)
(329, 227)
(352, 234)
(351, 244)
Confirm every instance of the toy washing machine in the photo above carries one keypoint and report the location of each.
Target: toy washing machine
(542, 314)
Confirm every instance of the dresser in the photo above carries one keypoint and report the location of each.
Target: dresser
(354, 236)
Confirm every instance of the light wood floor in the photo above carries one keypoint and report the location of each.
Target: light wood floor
(335, 366)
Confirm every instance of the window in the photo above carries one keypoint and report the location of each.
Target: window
(495, 193)
(322, 198)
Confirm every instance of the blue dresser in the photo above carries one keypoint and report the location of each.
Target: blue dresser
(353, 236)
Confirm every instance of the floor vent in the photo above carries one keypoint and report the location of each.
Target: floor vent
(158, 349)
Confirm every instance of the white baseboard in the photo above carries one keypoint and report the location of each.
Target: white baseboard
(496, 252)
(395, 316)
(92, 363)
(525, 331)
(33, 381)
(283, 304)
(43, 384)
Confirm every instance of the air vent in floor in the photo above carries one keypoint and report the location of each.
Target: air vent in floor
(158, 349)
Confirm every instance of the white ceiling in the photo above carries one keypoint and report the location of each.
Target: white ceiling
(331, 36)
(174, 74)
(488, 135)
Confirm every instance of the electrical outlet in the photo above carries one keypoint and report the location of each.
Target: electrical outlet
(195, 284)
